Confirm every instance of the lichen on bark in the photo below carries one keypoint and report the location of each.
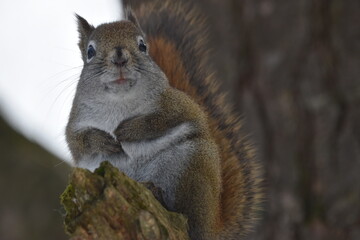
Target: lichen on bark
(107, 204)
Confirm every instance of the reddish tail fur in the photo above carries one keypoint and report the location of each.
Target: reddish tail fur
(177, 36)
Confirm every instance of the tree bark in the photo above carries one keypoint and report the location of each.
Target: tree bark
(295, 68)
(107, 204)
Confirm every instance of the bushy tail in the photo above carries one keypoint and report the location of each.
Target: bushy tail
(177, 35)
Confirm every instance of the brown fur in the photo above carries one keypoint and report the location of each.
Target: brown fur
(198, 190)
(241, 173)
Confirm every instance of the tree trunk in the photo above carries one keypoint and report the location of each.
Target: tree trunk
(294, 75)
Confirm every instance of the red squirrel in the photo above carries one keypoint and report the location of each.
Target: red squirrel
(147, 102)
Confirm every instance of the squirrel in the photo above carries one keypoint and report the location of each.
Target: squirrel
(148, 102)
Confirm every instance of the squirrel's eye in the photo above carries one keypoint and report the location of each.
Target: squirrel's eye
(142, 46)
(91, 52)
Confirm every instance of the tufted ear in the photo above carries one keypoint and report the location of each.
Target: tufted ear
(84, 29)
(130, 16)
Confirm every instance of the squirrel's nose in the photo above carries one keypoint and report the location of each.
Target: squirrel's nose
(120, 58)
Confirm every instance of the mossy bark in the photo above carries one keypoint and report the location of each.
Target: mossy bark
(107, 204)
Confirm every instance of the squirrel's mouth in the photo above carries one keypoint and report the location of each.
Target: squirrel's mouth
(121, 83)
(121, 80)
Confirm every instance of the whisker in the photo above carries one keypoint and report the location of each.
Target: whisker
(61, 93)
(139, 69)
(97, 74)
(64, 71)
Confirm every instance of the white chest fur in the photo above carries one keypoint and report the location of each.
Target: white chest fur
(106, 115)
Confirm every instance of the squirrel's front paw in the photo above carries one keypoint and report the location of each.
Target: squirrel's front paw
(124, 131)
(110, 145)
(119, 133)
(100, 141)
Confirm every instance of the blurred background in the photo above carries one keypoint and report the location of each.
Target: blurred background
(291, 68)
(39, 68)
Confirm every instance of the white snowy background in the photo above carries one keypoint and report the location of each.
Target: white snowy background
(40, 64)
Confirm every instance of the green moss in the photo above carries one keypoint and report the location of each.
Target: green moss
(68, 200)
(100, 170)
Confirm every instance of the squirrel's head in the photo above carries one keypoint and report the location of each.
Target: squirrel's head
(116, 57)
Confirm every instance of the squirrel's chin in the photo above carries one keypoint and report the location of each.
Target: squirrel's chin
(121, 84)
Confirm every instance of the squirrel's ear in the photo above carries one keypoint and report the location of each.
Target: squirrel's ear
(130, 16)
(84, 29)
